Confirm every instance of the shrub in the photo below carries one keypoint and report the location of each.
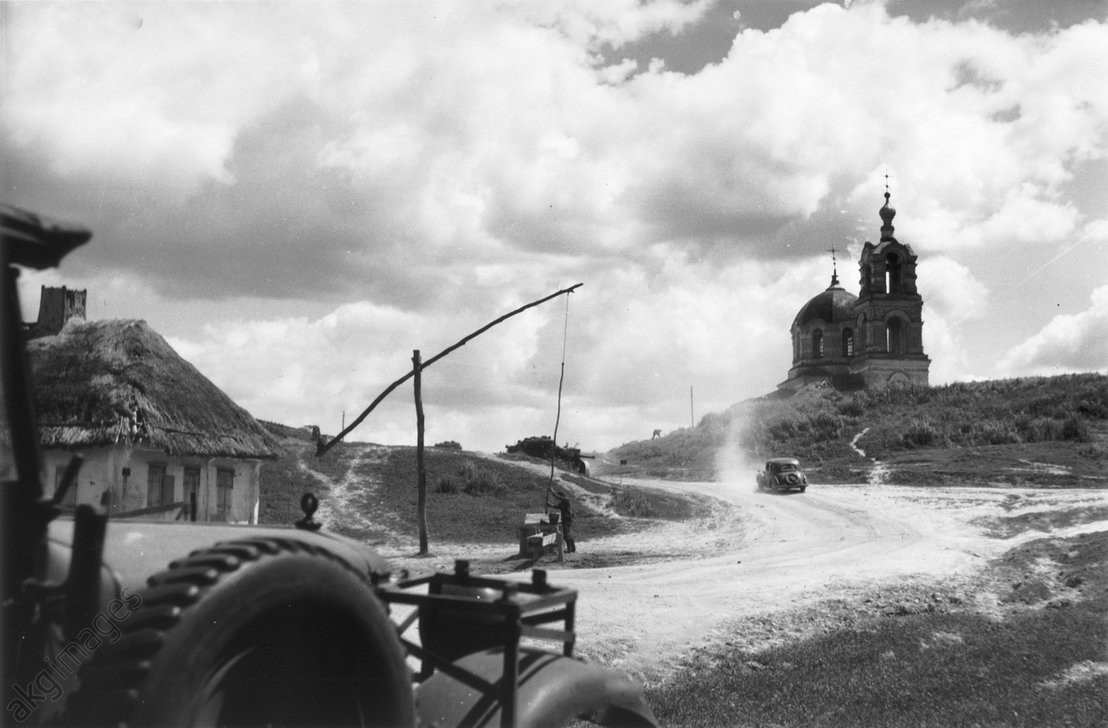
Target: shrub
(630, 503)
(851, 407)
(784, 428)
(446, 484)
(1075, 429)
(479, 480)
(470, 480)
(920, 434)
(992, 432)
(826, 426)
(1039, 429)
(448, 445)
(1092, 452)
(1095, 408)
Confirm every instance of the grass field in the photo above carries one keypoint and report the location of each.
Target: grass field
(470, 498)
(923, 655)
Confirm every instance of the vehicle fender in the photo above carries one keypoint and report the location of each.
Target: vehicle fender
(135, 549)
(553, 690)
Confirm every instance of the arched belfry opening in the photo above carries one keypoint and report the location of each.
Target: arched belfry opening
(870, 339)
(892, 273)
(894, 336)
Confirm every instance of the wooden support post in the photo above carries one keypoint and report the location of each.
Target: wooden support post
(421, 507)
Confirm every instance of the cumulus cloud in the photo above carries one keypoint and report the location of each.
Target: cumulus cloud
(1070, 342)
(406, 172)
(952, 296)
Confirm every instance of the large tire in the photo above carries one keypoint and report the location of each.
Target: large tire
(252, 632)
(552, 691)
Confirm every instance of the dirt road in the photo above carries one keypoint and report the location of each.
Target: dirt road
(647, 599)
(764, 552)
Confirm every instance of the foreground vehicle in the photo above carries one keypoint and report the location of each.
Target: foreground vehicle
(782, 474)
(152, 624)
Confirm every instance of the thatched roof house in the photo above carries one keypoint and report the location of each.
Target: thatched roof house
(119, 382)
(158, 438)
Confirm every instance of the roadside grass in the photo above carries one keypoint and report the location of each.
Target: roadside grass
(284, 481)
(485, 503)
(638, 502)
(928, 659)
(492, 513)
(470, 498)
(1045, 521)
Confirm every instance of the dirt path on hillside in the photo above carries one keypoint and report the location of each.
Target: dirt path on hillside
(679, 585)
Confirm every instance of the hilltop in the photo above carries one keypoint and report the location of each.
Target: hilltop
(1033, 431)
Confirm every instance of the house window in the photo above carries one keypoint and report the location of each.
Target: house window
(817, 344)
(159, 486)
(224, 482)
(848, 342)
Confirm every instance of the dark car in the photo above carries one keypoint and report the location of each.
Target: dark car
(782, 474)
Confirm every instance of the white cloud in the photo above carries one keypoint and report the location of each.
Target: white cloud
(951, 290)
(952, 296)
(409, 171)
(1069, 343)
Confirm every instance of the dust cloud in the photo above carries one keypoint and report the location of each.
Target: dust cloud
(735, 467)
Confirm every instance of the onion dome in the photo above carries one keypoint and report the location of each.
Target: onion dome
(833, 305)
(887, 214)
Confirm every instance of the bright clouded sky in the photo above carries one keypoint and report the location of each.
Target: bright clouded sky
(298, 195)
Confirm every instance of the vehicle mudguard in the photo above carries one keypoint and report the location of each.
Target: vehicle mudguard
(552, 691)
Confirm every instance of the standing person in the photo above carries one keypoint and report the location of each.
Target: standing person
(565, 508)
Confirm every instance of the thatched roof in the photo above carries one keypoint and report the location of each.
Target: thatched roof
(117, 381)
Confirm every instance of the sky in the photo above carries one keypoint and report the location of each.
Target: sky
(299, 195)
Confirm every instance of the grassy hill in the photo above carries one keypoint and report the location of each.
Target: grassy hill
(1041, 430)
(1034, 431)
(470, 497)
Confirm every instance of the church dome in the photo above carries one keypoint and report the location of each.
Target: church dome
(831, 306)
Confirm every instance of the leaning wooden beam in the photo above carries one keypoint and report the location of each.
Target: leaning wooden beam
(322, 447)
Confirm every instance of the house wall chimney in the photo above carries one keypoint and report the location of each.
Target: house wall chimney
(56, 306)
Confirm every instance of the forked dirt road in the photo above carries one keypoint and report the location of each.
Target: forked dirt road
(647, 599)
(788, 551)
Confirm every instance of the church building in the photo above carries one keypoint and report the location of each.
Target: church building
(869, 340)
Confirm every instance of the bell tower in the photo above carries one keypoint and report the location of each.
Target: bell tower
(888, 314)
